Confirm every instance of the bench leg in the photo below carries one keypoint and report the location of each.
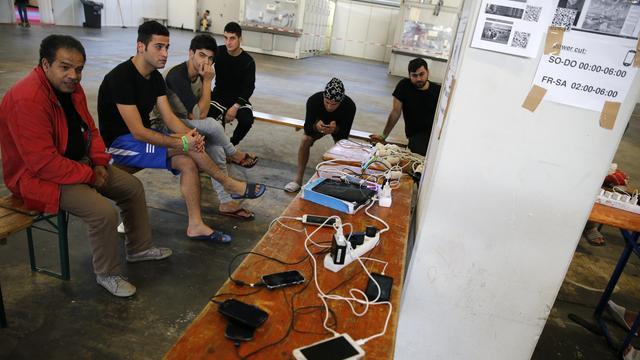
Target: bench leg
(63, 245)
(3, 317)
(32, 252)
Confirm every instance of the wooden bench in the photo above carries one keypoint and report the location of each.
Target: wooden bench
(298, 124)
(14, 217)
(10, 223)
(163, 21)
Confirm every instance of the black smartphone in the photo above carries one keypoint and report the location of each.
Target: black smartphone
(239, 332)
(385, 283)
(246, 314)
(287, 278)
(628, 59)
(317, 220)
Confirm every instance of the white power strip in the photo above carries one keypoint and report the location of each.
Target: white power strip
(352, 254)
(617, 201)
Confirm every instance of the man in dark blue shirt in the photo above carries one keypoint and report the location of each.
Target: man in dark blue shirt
(329, 112)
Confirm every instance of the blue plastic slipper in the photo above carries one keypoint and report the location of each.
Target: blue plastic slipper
(216, 237)
(250, 192)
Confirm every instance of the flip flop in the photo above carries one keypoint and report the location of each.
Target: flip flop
(617, 314)
(237, 214)
(250, 192)
(216, 237)
(248, 161)
(292, 187)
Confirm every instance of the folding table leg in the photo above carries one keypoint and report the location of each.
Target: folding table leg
(3, 316)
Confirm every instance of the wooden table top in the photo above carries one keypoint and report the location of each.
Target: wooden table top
(204, 338)
(615, 217)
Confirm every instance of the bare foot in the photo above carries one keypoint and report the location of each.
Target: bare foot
(244, 159)
(238, 156)
(198, 229)
(229, 206)
(233, 186)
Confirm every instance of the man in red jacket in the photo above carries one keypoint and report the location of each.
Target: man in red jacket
(54, 159)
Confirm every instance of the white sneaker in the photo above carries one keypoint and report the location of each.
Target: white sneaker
(116, 285)
(154, 253)
(633, 354)
(121, 229)
(292, 187)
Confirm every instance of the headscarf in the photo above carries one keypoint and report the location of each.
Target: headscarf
(334, 90)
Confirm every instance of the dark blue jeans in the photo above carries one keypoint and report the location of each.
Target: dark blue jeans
(22, 11)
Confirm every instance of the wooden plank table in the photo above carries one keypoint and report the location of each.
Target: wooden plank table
(204, 338)
(629, 225)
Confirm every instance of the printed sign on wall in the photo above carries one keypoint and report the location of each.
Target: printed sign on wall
(589, 70)
(512, 26)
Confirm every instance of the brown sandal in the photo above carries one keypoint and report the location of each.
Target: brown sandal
(248, 161)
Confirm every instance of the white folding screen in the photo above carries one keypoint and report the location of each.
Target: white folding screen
(182, 14)
(363, 30)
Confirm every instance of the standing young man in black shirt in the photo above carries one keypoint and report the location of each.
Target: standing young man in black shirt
(127, 95)
(235, 82)
(416, 99)
(329, 112)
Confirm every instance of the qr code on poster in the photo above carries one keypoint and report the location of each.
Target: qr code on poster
(520, 39)
(564, 18)
(532, 13)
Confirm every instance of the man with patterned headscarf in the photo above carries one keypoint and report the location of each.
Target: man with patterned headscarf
(329, 112)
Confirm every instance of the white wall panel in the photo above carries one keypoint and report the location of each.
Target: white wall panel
(7, 12)
(394, 18)
(68, 12)
(340, 27)
(377, 33)
(362, 27)
(358, 26)
(182, 14)
(488, 261)
(46, 12)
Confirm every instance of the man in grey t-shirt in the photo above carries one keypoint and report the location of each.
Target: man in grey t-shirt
(189, 94)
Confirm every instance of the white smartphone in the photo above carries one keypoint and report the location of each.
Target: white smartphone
(340, 347)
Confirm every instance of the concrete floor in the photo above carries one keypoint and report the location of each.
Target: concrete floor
(53, 319)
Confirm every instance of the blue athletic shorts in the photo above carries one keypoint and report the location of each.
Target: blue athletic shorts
(126, 150)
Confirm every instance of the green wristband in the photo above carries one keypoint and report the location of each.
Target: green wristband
(383, 136)
(185, 143)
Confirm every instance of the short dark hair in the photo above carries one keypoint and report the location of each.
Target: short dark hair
(50, 45)
(203, 41)
(416, 63)
(149, 28)
(233, 28)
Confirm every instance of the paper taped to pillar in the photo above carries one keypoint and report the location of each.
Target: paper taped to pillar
(589, 70)
(512, 27)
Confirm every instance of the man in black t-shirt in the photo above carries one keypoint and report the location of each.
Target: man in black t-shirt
(127, 95)
(329, 112)
(416, 99)
(235, 82)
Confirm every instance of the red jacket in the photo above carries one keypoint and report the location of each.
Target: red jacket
(33, 136)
